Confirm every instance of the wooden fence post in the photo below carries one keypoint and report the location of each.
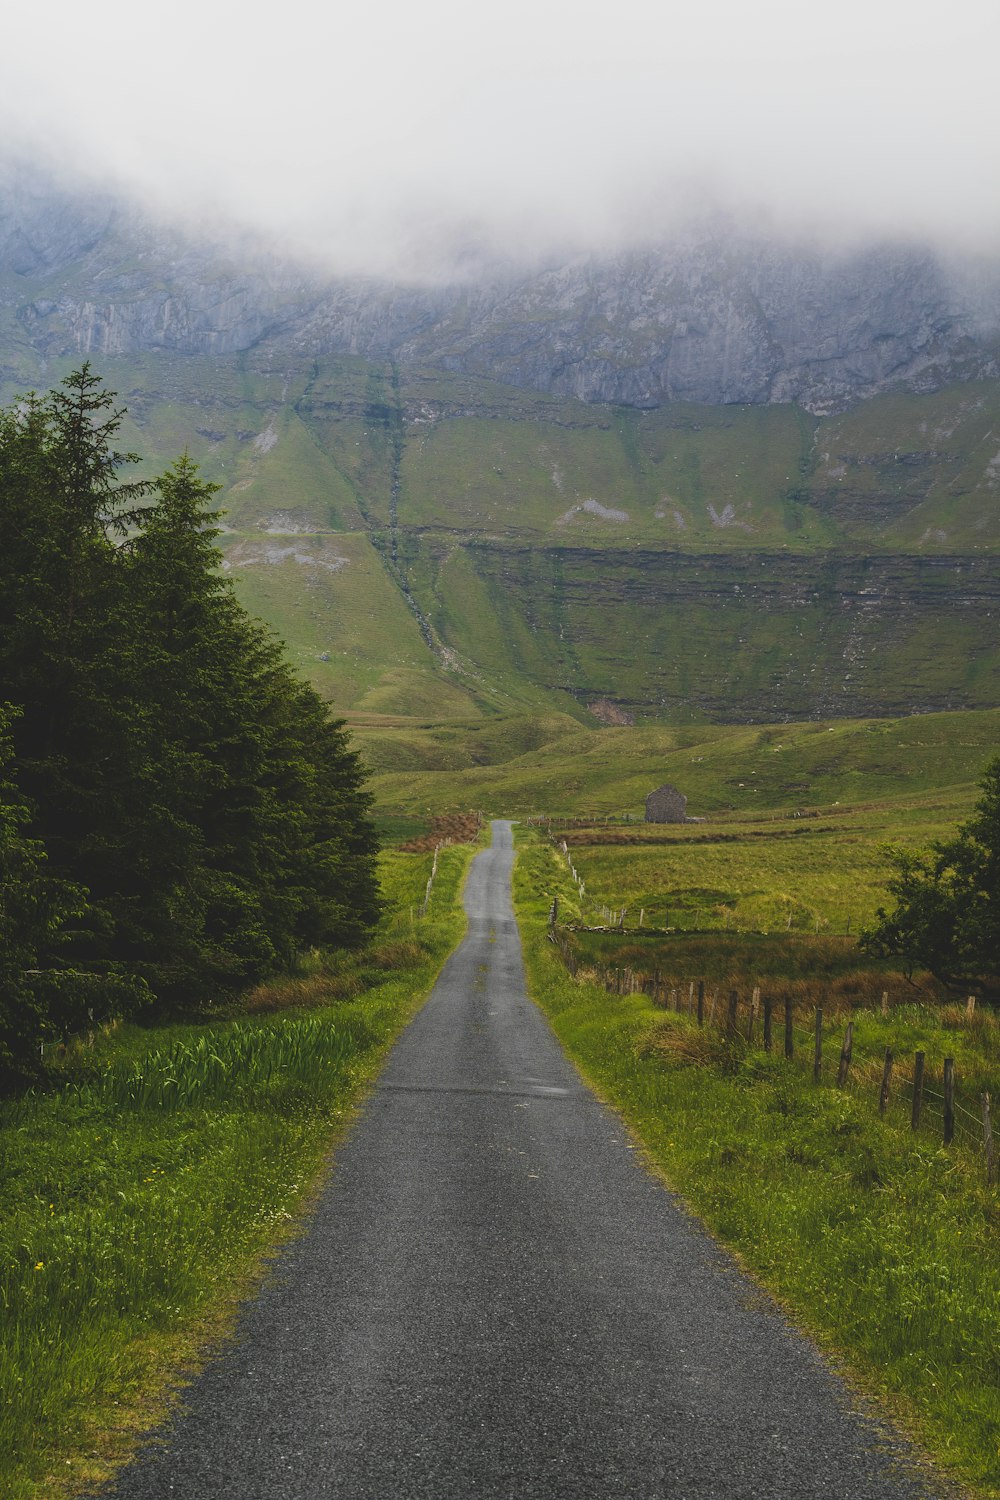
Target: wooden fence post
(918, 1090)
(789, 1034)
(711, 1008)
(768, 1007)
(554, 911)
(754, 1007)
(818, 1045)
(701, 1002)
(949, 1100)
(991, 1174)
(883, 1093)
(970, 1006)
(691, 997)
(885, 1002)
(734, 1001)
(845, 1055)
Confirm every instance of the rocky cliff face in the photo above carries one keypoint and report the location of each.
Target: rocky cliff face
(716, 317)
(715, 321)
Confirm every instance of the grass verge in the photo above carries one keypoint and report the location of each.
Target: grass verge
(881, 1244)
(142, 1195)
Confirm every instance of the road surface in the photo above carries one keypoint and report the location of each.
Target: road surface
(495, 1299)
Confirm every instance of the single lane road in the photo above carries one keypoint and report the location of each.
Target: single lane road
(496, 1299)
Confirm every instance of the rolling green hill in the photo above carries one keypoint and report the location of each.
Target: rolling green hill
(554, 765)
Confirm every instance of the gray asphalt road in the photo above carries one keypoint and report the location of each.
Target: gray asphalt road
(496, 1300)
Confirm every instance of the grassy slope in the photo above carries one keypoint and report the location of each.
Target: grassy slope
(892, 473)
(754, 562)
(879, 1242)
(721, 636)
(795, 816)
(138, 1198)
(355, 638)
(923, 468)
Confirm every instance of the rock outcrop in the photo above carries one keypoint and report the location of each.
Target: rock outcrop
(716, 317)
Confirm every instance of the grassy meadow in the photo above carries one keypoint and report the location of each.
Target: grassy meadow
(877, 1239)
(822, 874)
(143, 1187)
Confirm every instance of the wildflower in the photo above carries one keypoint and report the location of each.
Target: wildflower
(39, 1265)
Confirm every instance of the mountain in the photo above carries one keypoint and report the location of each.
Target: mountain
(716, 316)
(722, 479)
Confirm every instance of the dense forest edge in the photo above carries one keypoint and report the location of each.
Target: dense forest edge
(180, 815)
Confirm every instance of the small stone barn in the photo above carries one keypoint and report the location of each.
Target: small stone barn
(666, 805)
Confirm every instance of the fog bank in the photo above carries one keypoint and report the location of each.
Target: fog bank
(405, 140)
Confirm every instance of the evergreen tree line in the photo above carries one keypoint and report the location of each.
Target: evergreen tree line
(179, 815)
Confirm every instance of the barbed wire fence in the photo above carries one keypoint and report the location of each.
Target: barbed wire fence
(904, 1090)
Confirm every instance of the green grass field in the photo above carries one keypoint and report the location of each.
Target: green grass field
(824, 874)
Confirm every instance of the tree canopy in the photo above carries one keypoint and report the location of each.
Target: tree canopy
(947, 912)
(179, 813)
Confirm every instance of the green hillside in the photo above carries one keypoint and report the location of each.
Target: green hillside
(430, 544)
(553, 765)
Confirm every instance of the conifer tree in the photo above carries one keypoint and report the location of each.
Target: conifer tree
(947, 912)
(188, 804)
(35, 908)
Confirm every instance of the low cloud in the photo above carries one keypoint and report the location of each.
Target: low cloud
(409, 139)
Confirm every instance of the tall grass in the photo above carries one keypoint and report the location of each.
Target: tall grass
(240, 1066)
(880, 1242)
(138, 1195)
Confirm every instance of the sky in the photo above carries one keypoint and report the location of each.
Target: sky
(392, 137)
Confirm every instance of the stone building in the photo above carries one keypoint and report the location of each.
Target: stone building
(666, 805)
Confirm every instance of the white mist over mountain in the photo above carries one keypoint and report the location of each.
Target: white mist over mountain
(396, 139)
